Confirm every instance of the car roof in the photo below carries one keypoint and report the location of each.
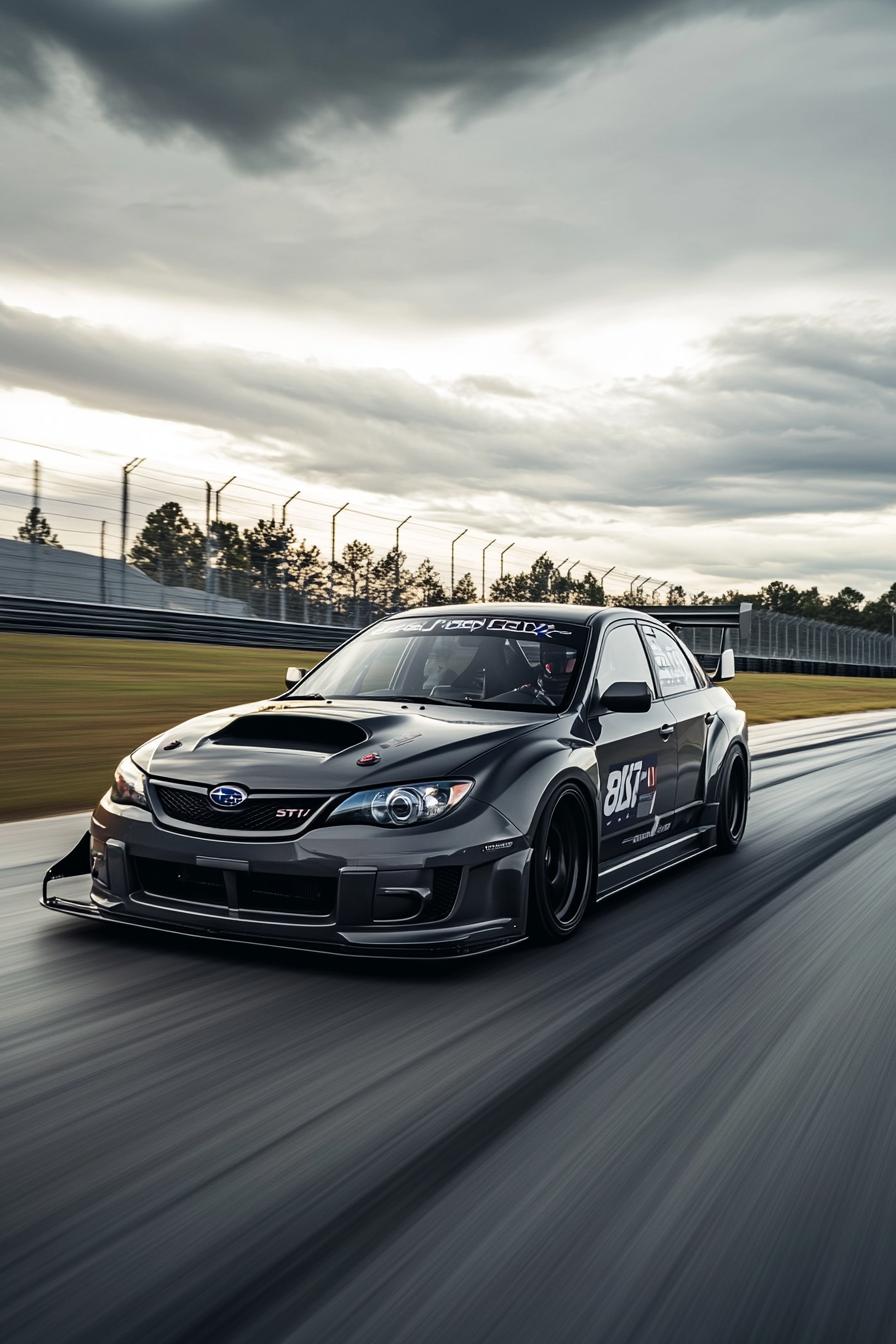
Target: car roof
(530, 611)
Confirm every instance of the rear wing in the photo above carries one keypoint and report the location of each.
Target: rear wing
(711, 618)
(719, 618)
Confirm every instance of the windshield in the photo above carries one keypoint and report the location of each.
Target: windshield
(484, 660)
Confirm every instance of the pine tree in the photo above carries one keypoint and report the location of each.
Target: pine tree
(270, 549)
(169, 548)
(391, 582)
(427, 585)
(589, 592)
(465, 590)
(543, 583)
(37, 530)
(228, 548)
(510, 588)
(880, 615)
(307, 572)
(780, 596)
(541, 578)
(844, 608)
(352, 578)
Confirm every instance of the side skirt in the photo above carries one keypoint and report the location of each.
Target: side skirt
(669, 855)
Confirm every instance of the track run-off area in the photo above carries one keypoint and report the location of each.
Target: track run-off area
(681, 1126)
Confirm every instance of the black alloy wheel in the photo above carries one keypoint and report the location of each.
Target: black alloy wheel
(562, 867)
(732, 802)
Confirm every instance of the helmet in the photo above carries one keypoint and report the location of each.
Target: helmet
(557, 666)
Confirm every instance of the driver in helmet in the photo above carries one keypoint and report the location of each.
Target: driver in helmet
(557, 666)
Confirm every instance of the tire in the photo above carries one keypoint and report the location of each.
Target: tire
(732, 802)
(562, 867)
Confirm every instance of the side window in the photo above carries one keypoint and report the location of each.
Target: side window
(673, 667)
(622, 658)
(693, 662)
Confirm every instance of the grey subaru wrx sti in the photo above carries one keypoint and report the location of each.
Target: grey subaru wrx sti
(447, 782)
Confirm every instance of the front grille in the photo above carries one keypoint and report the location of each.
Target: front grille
(445, 886)
(280, 893)
(256, 893)
(182, 882)
(255, 814)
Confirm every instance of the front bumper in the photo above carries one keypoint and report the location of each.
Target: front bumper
(453, 891)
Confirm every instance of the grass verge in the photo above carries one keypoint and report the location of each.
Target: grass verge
(73, 707)
(767, 698)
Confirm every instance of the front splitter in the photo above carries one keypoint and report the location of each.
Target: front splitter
(440, 949)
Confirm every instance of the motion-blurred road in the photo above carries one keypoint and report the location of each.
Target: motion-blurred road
(680, 1127)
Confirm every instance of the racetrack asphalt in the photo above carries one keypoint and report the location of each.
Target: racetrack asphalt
(679, 1127)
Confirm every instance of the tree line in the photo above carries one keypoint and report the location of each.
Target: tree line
(172, 549)
(177, 552)
(848, 607)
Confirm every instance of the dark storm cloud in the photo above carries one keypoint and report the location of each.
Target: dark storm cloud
(788, 416)
(243, 72)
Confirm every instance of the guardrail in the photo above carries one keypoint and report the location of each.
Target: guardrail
(44, 616)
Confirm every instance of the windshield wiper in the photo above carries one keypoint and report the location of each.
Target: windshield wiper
(315, 695)
(460, 703)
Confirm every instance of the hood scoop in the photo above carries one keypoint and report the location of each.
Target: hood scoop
(290, 732)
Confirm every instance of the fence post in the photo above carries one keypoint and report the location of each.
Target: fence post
(103, 562)
(125, 478)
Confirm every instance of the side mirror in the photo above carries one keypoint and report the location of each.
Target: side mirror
(627, 697)
(725, 669)
(293, 676)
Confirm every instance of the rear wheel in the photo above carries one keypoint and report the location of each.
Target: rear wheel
(732, 802)
(562, 867)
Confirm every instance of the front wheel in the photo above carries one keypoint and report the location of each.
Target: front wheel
(562, 867)
(732, 802)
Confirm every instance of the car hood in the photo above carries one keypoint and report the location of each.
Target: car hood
(295, 744)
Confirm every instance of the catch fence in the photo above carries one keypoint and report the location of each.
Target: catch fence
(793, 643)
(338, 565)
(403, 562)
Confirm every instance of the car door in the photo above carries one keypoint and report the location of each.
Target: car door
(684, 691)
(636, 753)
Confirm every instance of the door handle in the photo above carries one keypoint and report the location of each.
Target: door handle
(666, 731)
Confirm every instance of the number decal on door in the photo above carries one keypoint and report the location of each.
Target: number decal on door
(630, 793)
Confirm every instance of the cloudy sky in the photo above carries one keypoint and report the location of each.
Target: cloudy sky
(611, 275)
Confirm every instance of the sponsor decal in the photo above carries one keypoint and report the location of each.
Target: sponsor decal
(656, 829)
(296, 812)
(504, 624)
(629, 793)
(418, 625)
(497, 844)
(228, 795)
(443, 623)
(538, 629)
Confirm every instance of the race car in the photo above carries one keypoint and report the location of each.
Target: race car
(448, 781)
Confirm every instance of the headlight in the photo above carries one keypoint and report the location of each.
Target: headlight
(129, 784)
(403, 804)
